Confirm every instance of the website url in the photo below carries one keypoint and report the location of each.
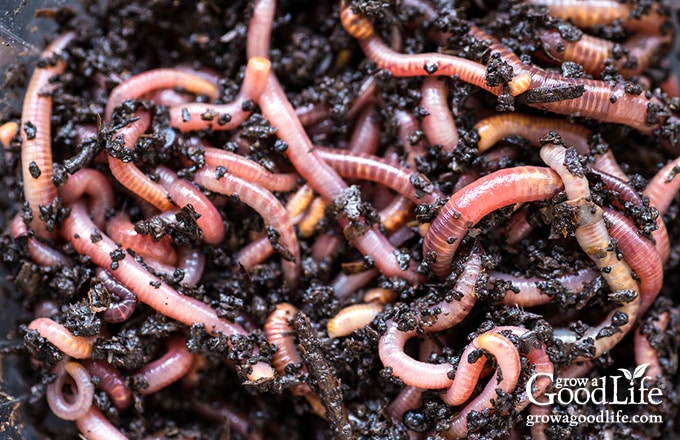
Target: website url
(605, 416)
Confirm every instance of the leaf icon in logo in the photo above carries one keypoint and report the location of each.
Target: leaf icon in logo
(627, 374)
(640, 371)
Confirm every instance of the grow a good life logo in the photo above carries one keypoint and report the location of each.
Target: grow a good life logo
(628, 388)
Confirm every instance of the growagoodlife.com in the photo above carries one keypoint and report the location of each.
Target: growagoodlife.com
(604, 417)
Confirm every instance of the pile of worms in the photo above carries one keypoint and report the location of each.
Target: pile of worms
(353, 219)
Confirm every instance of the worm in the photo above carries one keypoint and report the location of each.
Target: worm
(199, 116)
(94, 426)
(409, 397)
(601, 12)
(156, 79)
(508, 364)
(39, 252)
(416, 187)
(268, 206)
(121, 309)
(407, 124)
(421, 374)
(316, 212)
(276, 108)
(167, 369)
(466, 207)
(36, 139)
(246, 169)
(494, 128)
(78, 347)
(78, 230)
(352, 318)
(366, 133)
(121, 230)
(438, 125)
(592, 52)
(595, 241)
(127, 173)
(583, 97)
(260, 29)
(82, 391)
(184, 193)
(645, 353)
(405, 65)
(281, 334)
(111, 381)
(96, 185)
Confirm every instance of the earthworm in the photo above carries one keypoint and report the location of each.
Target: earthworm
(530, 294)
(594, 239)
(641, 256)
(407, 124)
(184, 193)
(494, 128)
(111, 381)
(586, 97)
(79, 230)
(409, 397)
(508, 367)
(422, 374)
(281, 334)
(352, 318)
(344, 285)
(128, 174)
(254, 253)
(36, 139)
(200, 116)
(82, 389)
(645, 353)
(518, 228)
(395, 215)
(39, 252)
(121, 230)
(592, 52)
(315, 213)
(366, 133)
(258, 39)
(249, 170)
(379, 295)
(78, 347)
(167, 369)
(486, 194)
(438, 125)
(299, 201)
(138, 85)
(222, 412)
(601, 12)
(94, 426)
(96, 185)
(627, 194)
(663, 187)
(312, 114)
(8, 131)
(408, 65)
(268, 206)
(364, 95)
(415, 186)
(121, 309)
(276, 108)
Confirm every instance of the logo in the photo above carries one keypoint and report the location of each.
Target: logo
(628, 388)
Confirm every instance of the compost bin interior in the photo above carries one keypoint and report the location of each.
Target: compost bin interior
(318, 64)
